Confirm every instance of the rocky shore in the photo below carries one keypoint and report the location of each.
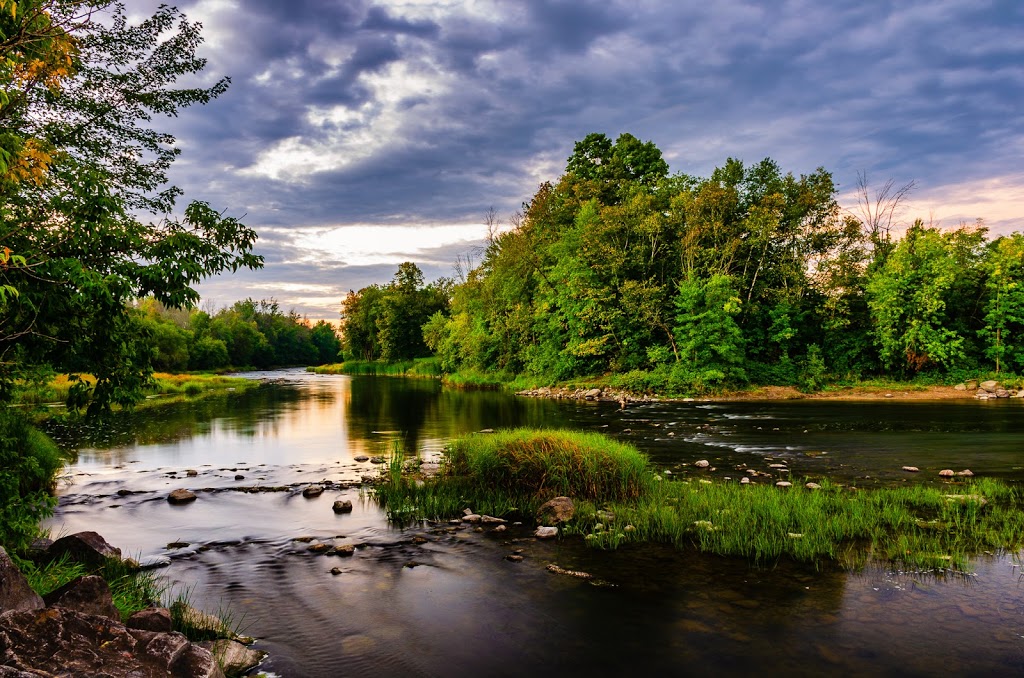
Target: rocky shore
(77, 631)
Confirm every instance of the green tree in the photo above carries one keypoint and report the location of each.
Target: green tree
(918, 298)
(711, 345)
(325, 340)
(93, 222)
(1003, 331)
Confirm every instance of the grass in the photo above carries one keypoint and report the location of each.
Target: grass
(419, 367)
(620, 501)
(55, 391)
(132, 589)
(198, 626)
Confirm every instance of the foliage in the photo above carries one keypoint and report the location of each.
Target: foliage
(30, 462)
(681, 284)
(84, 204)
(387, 322)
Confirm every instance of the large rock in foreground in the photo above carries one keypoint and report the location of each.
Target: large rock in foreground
(69, 643)
(88, 548)
(15, 593)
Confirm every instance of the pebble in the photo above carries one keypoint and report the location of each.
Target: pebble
(546, 532)
(703, 463)
(812, 486)
(911, 469)
(514, 558)
(783, 483)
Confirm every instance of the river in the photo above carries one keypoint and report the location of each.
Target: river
(454, 606)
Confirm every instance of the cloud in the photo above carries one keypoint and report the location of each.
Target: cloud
(423, 114)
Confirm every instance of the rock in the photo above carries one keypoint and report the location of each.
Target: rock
(318, 547)
(87, 548)
(966, 473)
(888, 395)
(569, 573)
(947, 473)
(556, 511)
(543, 532)
(156, 619)
(500, 528)
(181, 496)
(419, 539)
(378, 460)
(60, 641)
(88, 595)
(362, 457)
(744, 480)
(343, 550)
(971, 384)
(153, 562)
(781, 467)
(1002, 393)
(703, 463)
(960, 387)
(234, 658)
(15, 592)
(336, 571)
(38, 548)
(783, 483)
(491, 520)
(592, 394)
(313, 491)
(991, 385)
(812, 486)
(514, 558)
(342, 506)
(472, 518)
(911, 469)
(486, 430)
(191, 473)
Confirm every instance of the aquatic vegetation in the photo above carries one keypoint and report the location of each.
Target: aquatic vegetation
(619, 501)
(419, 367)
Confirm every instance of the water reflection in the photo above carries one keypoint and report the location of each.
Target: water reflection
(453, 606)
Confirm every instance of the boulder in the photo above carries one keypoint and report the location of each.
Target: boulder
(181, 496)
(556, 511)
(313, 491)
(1002, 393)
(971, 384)
(592, 394)
(15, 593)
(543, 532)
(234, 658)
(157, 619)
(342, 506)
(60, 641)
(960, 387)
(703, 463)
(87, 548)
(991, 385)
(89, 595)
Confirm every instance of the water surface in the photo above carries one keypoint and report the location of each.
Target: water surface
(453, 606)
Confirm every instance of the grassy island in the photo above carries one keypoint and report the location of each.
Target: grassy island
(621, 499)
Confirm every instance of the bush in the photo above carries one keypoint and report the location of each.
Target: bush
(30, 462)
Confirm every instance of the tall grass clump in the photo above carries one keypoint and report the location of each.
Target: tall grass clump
(418, 367)
(551, 463)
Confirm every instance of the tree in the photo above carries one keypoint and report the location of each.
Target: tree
(711, 345)
(89, 215)
(1004, 306)
(326, 342)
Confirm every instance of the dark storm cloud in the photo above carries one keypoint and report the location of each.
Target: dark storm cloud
(434, 115)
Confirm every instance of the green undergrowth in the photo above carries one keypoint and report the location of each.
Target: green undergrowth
(620, 500)
(162, 388)
(419, 367)
(132, 589)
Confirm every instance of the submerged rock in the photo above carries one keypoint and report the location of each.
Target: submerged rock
(313, 491)
(362, 457)
(342, 506)
(181, 496)
(343, 550)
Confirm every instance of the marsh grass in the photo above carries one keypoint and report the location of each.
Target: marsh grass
(419, 367)
(620, 501)
(199, 626)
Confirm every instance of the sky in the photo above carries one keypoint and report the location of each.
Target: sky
(358, 134)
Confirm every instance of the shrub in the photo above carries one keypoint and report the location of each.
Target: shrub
(30, 462)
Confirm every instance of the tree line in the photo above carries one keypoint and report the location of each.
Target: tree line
(246, 334)
(685, 283)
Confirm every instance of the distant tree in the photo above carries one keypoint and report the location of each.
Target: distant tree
(326, 341)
